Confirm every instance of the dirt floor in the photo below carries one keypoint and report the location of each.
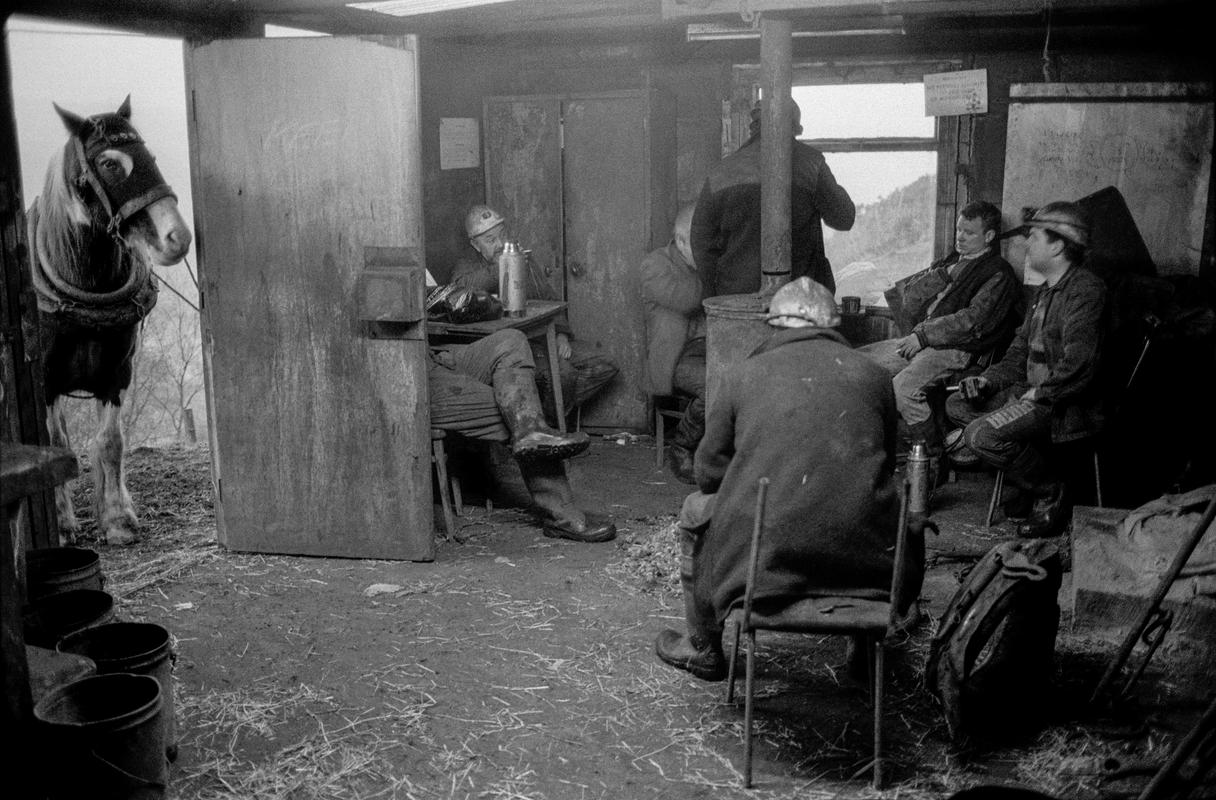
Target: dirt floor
(516, 666)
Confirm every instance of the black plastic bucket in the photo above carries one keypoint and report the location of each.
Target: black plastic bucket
(140, 648)
(52, 570)
(103, 736)
(50, 618)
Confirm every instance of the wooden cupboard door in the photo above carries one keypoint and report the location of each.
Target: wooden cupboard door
(524, 181)
(304, 152)
(607, 206)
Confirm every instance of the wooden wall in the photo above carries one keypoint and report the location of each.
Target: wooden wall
(456, 79)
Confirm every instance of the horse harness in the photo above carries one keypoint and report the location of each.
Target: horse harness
(121, 200)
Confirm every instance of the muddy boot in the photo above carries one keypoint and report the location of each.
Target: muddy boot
(1049, 516)
(1017, 504)
(560, 518)
(701, 656)
(531, 437)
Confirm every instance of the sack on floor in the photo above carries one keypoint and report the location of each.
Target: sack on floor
(991, 660)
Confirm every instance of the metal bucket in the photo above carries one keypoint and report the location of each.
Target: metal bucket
(105, 736)
(141, 648)
(50, 618)
(52, 570)
(734, 326)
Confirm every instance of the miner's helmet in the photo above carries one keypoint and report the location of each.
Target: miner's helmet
(480, 219)
(1066, 220)
(803, 303)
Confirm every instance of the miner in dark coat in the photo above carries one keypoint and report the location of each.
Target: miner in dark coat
(818, 419)
(725, 232)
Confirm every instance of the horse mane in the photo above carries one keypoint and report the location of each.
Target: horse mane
(65, 228)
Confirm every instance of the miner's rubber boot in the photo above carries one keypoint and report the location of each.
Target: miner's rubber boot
(531, 437)
(560, 518)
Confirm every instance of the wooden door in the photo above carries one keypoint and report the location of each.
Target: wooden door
(524, 181)
(304, 151)
(606, 196)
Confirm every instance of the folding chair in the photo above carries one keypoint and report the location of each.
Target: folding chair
(850, 616)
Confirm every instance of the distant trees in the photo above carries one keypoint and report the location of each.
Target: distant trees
(891, 238)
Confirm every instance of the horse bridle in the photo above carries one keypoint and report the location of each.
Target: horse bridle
(138, 190)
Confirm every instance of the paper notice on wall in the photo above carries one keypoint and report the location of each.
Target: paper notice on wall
(949, 94)
(459, 146)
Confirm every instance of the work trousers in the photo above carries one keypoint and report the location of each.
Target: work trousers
(695, 516)
(1007, 433)
(910, 378)
(583, 375)
(461, 381)
(689, 379)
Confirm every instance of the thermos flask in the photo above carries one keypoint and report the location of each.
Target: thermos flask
(918, 479)
(512, 280)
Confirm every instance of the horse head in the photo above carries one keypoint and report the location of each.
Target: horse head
(118, 180)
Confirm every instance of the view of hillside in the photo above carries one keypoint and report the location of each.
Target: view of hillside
(892, 237)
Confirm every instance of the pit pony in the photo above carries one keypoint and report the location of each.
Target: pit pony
(104, 218)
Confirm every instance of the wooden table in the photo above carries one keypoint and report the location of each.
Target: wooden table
(539, 319)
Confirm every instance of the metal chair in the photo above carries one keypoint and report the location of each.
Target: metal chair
(669, 406)
(449, 486)
(851, 616)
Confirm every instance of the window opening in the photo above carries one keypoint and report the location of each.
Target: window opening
(883, 150)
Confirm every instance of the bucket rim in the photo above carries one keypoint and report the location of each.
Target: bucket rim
(107, 629)
(70, 596)
(40, 553)
(113, 682)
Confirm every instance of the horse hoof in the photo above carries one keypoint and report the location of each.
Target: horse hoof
(120, 537)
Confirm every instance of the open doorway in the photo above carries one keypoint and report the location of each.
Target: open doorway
(55, 63)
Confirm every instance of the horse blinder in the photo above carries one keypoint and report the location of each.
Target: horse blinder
(140, 188)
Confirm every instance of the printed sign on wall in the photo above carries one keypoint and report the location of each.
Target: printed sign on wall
(459, 146)
(950, 94)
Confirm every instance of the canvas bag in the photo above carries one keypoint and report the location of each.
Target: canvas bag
(908, 298)
(991, 660)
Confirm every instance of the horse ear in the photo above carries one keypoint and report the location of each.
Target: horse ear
(124, 110)
(74, 123)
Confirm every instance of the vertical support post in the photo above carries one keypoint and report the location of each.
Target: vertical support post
(22, 400)
(776, 147)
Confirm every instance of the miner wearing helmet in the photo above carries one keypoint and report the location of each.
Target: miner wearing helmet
(583, 372)
(818, 420)
(1043, 391)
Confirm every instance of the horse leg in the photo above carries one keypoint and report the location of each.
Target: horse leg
(57, 426)
(114, 511)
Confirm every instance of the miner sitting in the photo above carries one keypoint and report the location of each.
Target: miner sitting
(961, 309)
(817, 419)
(583, 373)
(487, 390)
(1043, 391)
(675, 338)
